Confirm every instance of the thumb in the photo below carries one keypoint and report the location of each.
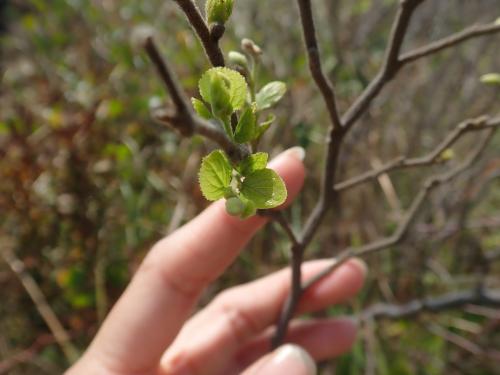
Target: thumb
(288, 359)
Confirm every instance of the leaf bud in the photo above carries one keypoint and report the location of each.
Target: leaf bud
(250, 47)
(234, 206)
(238, 59)
(218, 11)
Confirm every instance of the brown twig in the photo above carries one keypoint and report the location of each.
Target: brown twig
(450, 41)
(470, 125)
(448, 301)
(56, 328)
(210, 43)
(26, 355)
(182, 117)
(324, 85)
(390, 66)
(431, 184)
(280, 219)
(338, 131)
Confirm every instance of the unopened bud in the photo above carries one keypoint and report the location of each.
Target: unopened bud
(447, 154)
(250, 47)
(234, 206)
(238, 59)
(218, 11)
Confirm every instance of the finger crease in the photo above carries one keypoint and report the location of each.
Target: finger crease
(187, 289)
(241, 324)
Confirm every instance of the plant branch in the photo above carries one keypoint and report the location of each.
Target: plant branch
(336, 130)
(431, 184)
(390, 66)
(433, 157)
(394, 61)
(339, 128)
(293, 299)
(34, 291)
(182, 117)
(280, 218)
(311, 43)
(208, 39)
(448, 301)
(473, 31)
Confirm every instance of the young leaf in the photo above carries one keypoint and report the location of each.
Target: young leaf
(270, 94)
(245, 130)
(253, 163)
(262, 128)
(236, 82)
(219, 96)
(215, 175)
(201, 108)
(238, 58)
(249, 209)
(264, 188)
(218, 10)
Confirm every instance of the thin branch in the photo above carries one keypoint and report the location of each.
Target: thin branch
(328, 196)
(433, 157)
(208, 39)
(288, 309)
(182, 117)
(390, 66)
(324, 85)
(336, 132)
(56, 328)
(450, 41)
(455, 339)
(431, 184)
(279, 218)
(7, 364)
(448, 301)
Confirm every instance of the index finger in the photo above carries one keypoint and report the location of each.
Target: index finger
(164, 290)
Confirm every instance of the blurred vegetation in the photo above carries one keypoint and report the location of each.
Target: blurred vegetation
(89, 182)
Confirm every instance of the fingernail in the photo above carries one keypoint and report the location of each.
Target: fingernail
(291, 360)
(297, 151)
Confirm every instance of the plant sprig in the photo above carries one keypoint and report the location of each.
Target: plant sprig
(247, 185)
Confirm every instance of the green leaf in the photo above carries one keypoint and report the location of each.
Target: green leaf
(491, 78)
(249, 210)
(270, 94)
(236, 82)
(201, 108)
(264, 188)
(218, 10)
(219, 96)
(245, 130)
(262, 128)
(215, 175)
(253, 163)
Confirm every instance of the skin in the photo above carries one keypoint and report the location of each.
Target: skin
(150, 330)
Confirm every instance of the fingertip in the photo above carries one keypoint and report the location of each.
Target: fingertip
(360, 265)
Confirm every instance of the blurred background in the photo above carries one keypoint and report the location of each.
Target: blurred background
(88, 182)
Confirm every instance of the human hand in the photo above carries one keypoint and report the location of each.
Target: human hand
(149, 330)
